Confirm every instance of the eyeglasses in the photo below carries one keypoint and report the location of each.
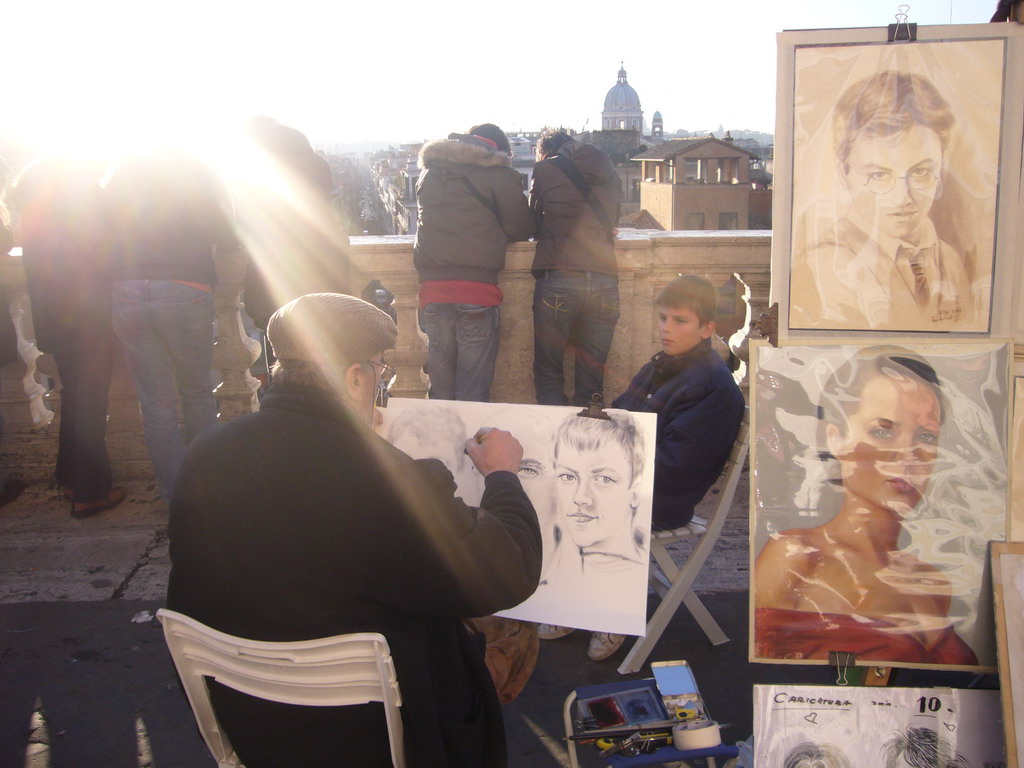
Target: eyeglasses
(387, 379)
(882, 182)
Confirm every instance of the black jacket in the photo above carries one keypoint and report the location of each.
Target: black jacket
(570, 235)
(295, 522)
(459, 236)
(699, 411)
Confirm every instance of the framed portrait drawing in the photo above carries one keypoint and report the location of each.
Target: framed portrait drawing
(879, 478)
(896, 175)
(811, 726)
(591, 482)
(1008, 582)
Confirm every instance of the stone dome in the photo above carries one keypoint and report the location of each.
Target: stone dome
(622, 107)
(622, 96)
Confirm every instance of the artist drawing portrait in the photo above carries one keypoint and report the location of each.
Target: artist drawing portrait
(895, 181)
(591, 483)
(880, 479)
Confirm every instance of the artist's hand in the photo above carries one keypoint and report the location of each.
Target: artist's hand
(494, 450)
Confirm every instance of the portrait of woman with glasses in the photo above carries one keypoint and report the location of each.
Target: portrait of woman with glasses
(882, 264)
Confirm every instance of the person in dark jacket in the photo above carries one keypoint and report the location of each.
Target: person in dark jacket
(698, 403)
(295, 242)
(298, 522)
(699, 411)
(168, 216)
(471, 204)
(67, 264)
(575, 202)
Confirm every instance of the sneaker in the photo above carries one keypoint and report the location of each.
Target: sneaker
(603, 645)
(552, 631)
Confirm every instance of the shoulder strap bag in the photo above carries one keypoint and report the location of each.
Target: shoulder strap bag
(489, 204)
(566, 167)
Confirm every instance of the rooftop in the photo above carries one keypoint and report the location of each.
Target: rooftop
(677, 147)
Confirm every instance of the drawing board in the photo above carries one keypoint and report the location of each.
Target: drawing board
(591, 482)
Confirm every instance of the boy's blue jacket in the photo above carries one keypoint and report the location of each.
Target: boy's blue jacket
(699, 411)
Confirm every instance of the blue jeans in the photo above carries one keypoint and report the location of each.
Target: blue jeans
(463, 346)
(167, 332)
(578, 310)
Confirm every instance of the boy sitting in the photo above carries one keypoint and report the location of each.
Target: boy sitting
(698, 404)
(699, 411)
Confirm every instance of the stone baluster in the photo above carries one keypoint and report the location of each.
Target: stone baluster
(234, 352)
(22, 397)
(757, 283)
(389, 260)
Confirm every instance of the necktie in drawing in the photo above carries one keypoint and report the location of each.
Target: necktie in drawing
(916, 261)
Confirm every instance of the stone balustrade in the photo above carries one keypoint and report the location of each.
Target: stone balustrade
(647, 260)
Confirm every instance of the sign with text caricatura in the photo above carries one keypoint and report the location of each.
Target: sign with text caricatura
(804, 726)
(893, 174)
(591, 482)
(879, 479)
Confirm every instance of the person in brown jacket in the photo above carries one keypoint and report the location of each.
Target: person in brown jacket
(575, 200)
(471, 205)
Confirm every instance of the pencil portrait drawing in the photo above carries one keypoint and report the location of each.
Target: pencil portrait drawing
(591, 483)
(894, 187)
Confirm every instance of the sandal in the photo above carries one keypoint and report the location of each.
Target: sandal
(87, 509)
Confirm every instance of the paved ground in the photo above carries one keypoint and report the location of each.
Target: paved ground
(86, 682)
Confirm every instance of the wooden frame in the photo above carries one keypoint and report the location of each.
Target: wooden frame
(1008, 586)
(815, 68)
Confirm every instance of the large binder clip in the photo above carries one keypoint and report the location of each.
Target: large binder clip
(901, 31)
(595, 410)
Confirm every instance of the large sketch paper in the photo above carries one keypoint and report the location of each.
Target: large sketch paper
(873, 498)
(594, 506)
(1008, 581)
(846, 727)
(869, 202)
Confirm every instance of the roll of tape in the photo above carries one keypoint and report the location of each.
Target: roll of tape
(698, 734)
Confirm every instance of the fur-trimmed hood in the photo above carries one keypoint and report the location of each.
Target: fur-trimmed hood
(462, 153)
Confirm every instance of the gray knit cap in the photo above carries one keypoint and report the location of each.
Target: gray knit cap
(330, 329)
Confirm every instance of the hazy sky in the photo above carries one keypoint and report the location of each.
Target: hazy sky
(402, 71)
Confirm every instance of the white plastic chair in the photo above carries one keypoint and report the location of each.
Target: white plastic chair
(676, 585)
(328, 672)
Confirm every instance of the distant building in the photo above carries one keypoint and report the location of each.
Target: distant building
(622, 107)
(697, 183)
(657, 128)
(395, 173)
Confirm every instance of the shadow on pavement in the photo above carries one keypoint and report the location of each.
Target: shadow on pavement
(81, 686)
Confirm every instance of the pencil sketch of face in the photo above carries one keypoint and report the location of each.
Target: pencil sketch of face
(597, 467)
(534, 431)
(921, 748)
(891, 131)
(811, 755)
(433, 433)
